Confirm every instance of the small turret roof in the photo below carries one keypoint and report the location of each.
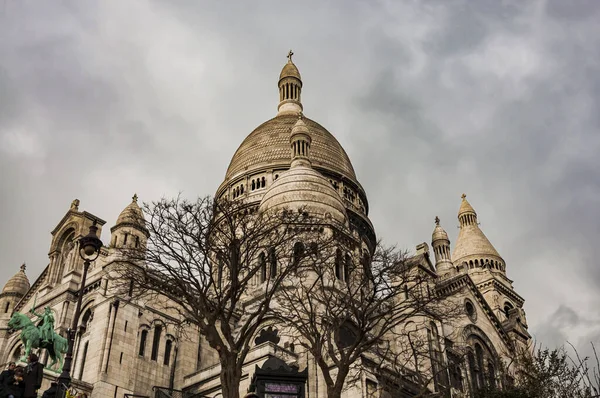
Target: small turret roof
(18, 284)
(131, 214)
(438, 232)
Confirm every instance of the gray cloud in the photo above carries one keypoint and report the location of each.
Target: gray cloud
(430, 100)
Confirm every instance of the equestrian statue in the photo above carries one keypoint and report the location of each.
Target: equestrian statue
(43, 337)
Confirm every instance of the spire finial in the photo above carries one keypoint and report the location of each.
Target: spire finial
(289, 56)
(23, 266)
(463, 196)
(135, 197)
(437, 220)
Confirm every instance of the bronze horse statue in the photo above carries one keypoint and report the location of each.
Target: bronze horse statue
(32, 338)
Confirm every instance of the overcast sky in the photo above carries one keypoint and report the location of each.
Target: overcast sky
(496, 99)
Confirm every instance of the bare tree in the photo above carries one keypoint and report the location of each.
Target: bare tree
(549, 373)
(342, 312)
(217, 264)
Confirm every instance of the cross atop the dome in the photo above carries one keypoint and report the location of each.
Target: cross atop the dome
(23, 266)
(437, 220)
(135, 197)
(463, 196)
(289, 56)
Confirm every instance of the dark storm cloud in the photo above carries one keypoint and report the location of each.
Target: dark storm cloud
(429, 99)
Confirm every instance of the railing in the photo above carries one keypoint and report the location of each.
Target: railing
(135, 396)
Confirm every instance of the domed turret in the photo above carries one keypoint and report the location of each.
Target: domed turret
(303, 187)
(18, 284)
(290, 88)
(130, 229)
(441, 249)
(472, 246)
(13, 291)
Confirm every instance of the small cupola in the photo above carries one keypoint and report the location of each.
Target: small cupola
(18, 284)
(130, 229)
(441, 249)
(290, 88)
(13, 291)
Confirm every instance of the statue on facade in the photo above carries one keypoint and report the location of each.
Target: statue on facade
(43, 337)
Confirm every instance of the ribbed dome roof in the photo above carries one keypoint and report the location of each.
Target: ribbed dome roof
(438, 232)
(18, 284)
(269, 144)
(132, 214)
(303, 187)
(290, 70)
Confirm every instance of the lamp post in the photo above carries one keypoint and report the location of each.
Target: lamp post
(89, 250)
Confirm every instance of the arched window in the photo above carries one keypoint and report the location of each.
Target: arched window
(338, 264)
(156, 342)
(168, 348)
(273, 263)
(262, 182)
(253, 186)
(7, 307)
(143, 338)
(262, 261)
(507, 307)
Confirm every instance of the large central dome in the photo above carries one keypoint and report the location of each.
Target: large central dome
(265, 155)
(269, 145)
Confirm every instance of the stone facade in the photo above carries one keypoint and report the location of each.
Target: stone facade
(124, 346)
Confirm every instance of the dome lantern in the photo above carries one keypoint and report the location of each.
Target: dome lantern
(290, 88)
(300, 143)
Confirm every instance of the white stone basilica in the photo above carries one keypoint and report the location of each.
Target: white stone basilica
(123, 347)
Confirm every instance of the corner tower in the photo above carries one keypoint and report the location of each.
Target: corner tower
(475, 255)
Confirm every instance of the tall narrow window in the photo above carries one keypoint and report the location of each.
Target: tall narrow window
(168, 347)
(262, 261)
(143, 338)
(85, 348)
(347, 267)
(137, 241)
(125, 239)
(7, 307)
(338, 264)
(273, 262)
(156, 342)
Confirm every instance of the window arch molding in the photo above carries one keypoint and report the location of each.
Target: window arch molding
(471, 333)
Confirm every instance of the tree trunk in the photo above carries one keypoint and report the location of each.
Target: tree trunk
(230, 376)
(335, 390)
